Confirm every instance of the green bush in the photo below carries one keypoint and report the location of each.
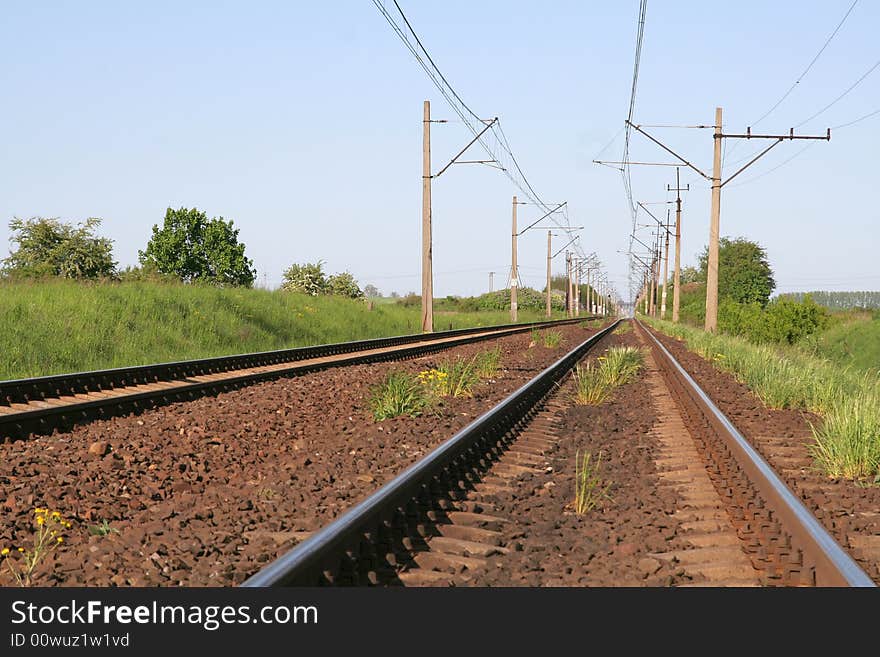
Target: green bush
(783, 321)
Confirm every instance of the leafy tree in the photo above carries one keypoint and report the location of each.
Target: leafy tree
(371, 291)
(197, 249)
(344, 285)
(691, 275)
(744, 274)
(308, 279)
(49, 247)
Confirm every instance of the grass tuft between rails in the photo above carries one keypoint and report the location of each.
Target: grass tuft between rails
(588, 484)
(846, 443)
(595, 380)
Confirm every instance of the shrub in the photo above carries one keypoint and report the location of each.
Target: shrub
(308, 279)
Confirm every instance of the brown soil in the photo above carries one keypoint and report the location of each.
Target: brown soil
(206, 492)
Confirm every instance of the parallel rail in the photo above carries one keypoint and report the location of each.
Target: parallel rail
(821, 557)
(361, 546)
(333, 554)
(37, 405)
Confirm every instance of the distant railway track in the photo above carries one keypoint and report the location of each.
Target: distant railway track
(432, 522)
(39, 405)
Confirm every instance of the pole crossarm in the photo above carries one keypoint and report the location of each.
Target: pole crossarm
(470, 143)
(646, 164)
(779, 139)
(543, 217)
(571, 241)
(668, 150)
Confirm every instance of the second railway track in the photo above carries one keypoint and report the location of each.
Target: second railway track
(40, 404)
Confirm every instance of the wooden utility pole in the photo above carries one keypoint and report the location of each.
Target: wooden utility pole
(665, 268)
(513, 271)
(676, 275)
(715, 216)
(714, 223)
(427, 255)
(549, 258)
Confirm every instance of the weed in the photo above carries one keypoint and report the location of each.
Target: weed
(588, 485)
(590, 384)
(552, 339)
(621, 364)
(103, 529)
(400, 393)
(487, 363)
(49, 534)
(595, 380)
(623, 328)
(536, 338)
(460, 377)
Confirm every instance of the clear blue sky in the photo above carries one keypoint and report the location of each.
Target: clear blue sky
(302, 123)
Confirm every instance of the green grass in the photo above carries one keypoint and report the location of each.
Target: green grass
(595, 381)
(51, 327)
(590, 384)
(552, 339)
(460, 375)
(399, 393)
(589, 488)
(847, 441)
(488, 362)
(854, 342)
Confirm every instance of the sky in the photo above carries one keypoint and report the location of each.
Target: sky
(302, 123)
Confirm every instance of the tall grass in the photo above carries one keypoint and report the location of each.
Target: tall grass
(847, 441)
(399, 393)
(460, 375)
(588, 485)
(488, 362)
(595, 381)
(51, 327)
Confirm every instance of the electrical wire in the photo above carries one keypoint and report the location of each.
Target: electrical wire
(841, 96)
(499, 150)
(809, 66)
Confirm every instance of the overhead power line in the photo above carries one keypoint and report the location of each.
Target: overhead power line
(809, 66)
(841, 96)
(497, 146)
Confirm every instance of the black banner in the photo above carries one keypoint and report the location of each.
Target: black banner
(403, 621)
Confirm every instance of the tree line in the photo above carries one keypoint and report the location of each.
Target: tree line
(187, 247)
(839, 300)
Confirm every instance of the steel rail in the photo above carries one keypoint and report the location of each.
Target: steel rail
(25, 404)
(305, 563)
(834, 567)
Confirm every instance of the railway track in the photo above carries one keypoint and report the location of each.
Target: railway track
(39, 405)
(451, 515)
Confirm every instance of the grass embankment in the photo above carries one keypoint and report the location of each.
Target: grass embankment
(60, 326)
(847, 441)
(854, 340)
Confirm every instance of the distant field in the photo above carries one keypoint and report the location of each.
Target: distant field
(854, 341)
(56, 327)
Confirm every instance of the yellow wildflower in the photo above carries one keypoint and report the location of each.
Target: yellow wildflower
(4, 551)
(60, 539)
